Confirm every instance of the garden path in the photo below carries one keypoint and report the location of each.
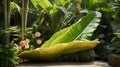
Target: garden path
(66, 64)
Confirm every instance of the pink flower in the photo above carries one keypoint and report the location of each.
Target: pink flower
(22, 43)
(27, 46)
(37, 34)
(27, 41)
(39, 41)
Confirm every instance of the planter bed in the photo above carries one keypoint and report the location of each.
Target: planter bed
(114, 60)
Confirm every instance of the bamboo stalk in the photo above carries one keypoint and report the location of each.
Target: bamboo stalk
(26, 12)
(5, 12)
(23, 17)
(25, 4)
(7, 19)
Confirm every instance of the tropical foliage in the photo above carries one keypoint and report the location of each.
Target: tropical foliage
(108, 25)
(115, 46)
(74, 32)
(8, 56)
(37, 22)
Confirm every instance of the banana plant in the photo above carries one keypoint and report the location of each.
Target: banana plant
(59, 14)
(45, 4)
(81, 30)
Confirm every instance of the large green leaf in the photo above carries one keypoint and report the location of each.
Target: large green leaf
(60, 2)
(45, 4)
(33, 2)
(55, 36)
(82, 28)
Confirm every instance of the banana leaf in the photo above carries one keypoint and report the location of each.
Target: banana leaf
(52, 53)
(86, 25)
(45, 4)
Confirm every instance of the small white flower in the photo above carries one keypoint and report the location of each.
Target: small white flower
(39, 41)
(37, 34)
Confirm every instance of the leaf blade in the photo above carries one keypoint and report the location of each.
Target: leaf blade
(76, 30)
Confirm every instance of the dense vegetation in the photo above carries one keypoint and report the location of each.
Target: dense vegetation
(35, 21)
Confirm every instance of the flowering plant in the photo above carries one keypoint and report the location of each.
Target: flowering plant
(30, 42)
